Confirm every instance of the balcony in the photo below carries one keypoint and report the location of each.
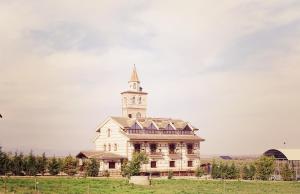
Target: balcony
(163, 132)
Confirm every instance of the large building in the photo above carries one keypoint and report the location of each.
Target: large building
(171, 144)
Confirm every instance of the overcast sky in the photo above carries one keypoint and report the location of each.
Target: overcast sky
(231, 68)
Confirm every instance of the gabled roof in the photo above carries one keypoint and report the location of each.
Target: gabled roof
(161, 123)
(155, 137)
(134, 76)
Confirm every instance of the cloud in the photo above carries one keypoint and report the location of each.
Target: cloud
(231, 68)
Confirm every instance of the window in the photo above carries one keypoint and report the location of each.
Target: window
(108, 132)
(109, 147)
(172, 148)
(137, 147)
(153, 148)
(140, 100)
(172, 163)
(190, 148)
(138, 115)
(190, 163)
(153, 164)
(116, 147)
(111, 165)
(104, 147)
(134, 85)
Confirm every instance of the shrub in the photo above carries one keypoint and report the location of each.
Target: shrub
(54, 167)
(170, 174)
(93, 168)
(199, 172)
(264, 167)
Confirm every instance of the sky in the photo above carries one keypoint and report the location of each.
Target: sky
(231, 68)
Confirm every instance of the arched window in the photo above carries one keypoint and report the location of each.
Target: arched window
(116, 147)
(138, 115)
(134, 85)
(108, 132)
(109, 147)
(140, 100)
(104, 147)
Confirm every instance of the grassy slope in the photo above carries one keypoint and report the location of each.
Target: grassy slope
(72, 185)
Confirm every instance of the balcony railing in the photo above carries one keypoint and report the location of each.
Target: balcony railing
(151, 131)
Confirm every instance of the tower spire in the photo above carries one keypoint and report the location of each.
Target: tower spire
(134, 76)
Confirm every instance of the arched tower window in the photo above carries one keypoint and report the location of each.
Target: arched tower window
(140, 100)
(134, 85)
(133, 100)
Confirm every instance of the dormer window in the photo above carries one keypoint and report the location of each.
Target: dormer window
(169, 127)
(152, 127)
(135, 126)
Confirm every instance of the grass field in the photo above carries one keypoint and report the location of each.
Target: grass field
(109, 185)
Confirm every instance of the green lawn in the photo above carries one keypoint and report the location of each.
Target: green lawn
(82, 185)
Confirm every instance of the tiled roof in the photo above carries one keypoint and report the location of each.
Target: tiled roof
(134, 76)
(98, 155)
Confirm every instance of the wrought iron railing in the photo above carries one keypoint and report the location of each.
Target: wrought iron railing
(151, 131)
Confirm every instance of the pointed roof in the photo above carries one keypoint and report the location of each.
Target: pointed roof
(134, 76)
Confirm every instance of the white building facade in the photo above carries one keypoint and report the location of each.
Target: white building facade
(171, 144)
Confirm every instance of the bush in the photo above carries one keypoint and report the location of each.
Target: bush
(70, 165)
(199, 172)
(54, 166)
(286, 172)
(93, 168)
(106, 173)
(264, 167)
(170, 174)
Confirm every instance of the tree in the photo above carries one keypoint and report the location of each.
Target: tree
(70, 165)
(30, 165)
(54, 166)
(265, 167)
(4, 162)
(133, 167)
(93, 168)
(41, 164)
(18, 164)
(286, 172)
(232, 171)
(252, 171)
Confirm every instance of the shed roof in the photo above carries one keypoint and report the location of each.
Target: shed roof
(98, 155)
(285, 154)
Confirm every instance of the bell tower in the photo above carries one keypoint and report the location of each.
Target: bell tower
(134, 100)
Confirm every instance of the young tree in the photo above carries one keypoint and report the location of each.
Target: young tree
(133, 167)
(264, 167)
(4, 162)
(54, 166)
(252, 171)
(30, 165)
(232, 172)
(199, 172)
(41, 164)
(215, 170)
(286, 172)
(18, 164)
(93, 168)
(70, 165)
